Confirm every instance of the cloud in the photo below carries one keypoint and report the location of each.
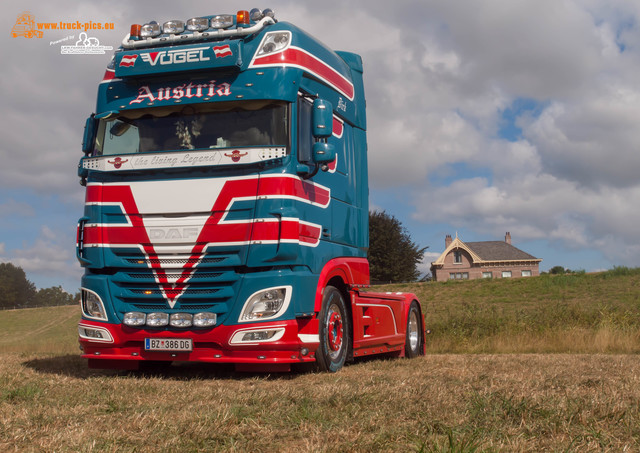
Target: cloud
(12, 208)
(50, 255)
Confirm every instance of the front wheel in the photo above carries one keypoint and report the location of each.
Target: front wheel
(333, 331)
(415, 333)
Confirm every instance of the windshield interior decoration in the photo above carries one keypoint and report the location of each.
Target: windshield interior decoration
(206, 126)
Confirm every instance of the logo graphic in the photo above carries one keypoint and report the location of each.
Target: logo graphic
(25, 26)
(85, 45)
(117, 162)
(236, 155)
(175, 56)
(222, 51)
(128, 60)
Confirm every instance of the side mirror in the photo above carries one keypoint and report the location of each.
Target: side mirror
(322, 118)
(323, 153)
(89, 134)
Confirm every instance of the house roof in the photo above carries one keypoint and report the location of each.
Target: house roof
(487, 251)
(498, 251)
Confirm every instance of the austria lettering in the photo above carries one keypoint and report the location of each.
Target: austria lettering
(185, 90)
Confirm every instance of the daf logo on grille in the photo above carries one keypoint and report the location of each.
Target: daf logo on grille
(173, 233)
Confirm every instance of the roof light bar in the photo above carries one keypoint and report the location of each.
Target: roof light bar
(149, 34)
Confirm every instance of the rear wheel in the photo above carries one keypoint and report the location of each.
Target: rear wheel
(415, 334)
(333, 331)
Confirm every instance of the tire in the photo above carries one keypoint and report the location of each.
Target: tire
(335, 339)
(415, 335)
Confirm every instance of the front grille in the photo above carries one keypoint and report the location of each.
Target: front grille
(173, 260)
(170, 292)
(207, 283)
(198, 276)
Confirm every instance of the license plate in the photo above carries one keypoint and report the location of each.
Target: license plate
(168, 344)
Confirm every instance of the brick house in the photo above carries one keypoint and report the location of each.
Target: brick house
(488, 259)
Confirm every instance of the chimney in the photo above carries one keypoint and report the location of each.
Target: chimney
(447, 241)
(507, 238)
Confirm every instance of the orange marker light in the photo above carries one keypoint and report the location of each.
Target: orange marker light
(135, 31)
(242, 17)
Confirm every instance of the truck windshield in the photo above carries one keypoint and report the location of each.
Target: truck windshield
(203, 126)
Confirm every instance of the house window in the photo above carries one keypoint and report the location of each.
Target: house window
(526, 273)
(487, 275)
(506, 274)
(459, 276)
(457, 257)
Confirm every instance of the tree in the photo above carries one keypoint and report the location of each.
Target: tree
(53, 297)
(393, 256)
(15, 289)
(557, 270)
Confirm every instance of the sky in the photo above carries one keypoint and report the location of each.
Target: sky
(484, 117)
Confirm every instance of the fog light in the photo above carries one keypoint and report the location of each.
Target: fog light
(255, 336)
(97, 334)
(259, 336)
(204, 319)
(134, 319)
(85, 332)
(181, 320)
(157, 319)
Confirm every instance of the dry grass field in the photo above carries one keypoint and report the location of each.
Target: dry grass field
(457, 403)
(541, 364)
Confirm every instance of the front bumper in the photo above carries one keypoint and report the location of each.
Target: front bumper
(125, 348)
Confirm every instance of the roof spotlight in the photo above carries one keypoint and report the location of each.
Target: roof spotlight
(255, 14)
(150, 30)
(198, 24)
(268, 12)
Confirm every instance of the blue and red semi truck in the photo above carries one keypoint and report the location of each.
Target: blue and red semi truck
(226, 213)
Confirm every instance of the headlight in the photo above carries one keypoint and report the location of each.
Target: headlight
(134, 319)
(266, 304)
(274, 41)
(92, 306)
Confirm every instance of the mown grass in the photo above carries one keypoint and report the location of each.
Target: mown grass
(50, 329)
(438, 403)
